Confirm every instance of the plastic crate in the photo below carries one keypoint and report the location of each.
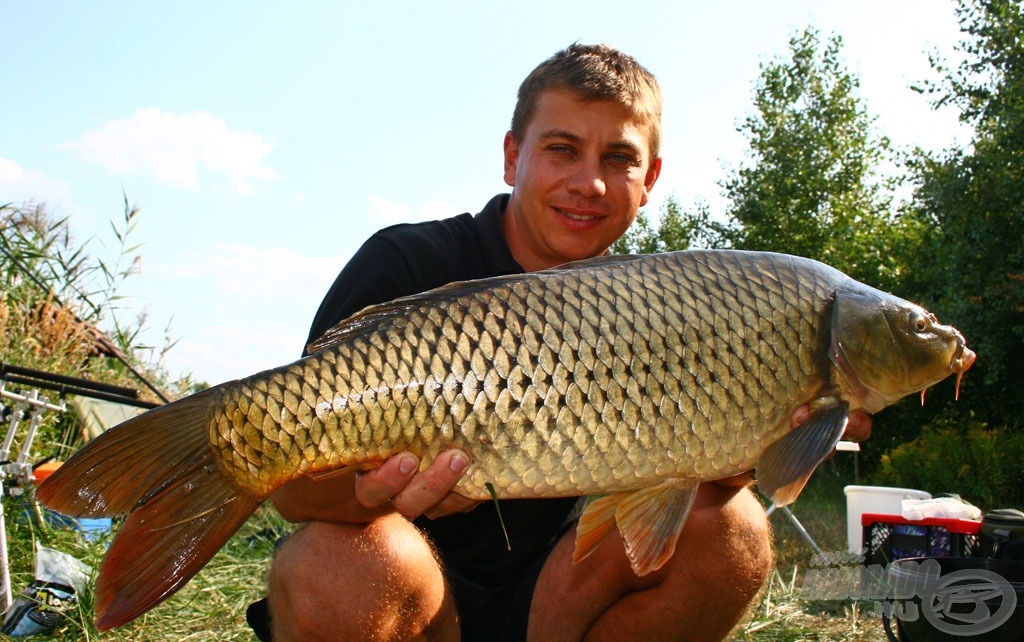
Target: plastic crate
(891, 537)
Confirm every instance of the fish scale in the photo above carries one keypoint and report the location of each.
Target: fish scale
(633, 378)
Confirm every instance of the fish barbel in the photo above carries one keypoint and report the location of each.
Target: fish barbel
(632, 377)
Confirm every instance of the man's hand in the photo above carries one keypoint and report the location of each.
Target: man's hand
(397, 485)
(858, 425)
(413, 493)
(858, 428)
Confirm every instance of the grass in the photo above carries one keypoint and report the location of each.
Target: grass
(212, 606)
(782, 615)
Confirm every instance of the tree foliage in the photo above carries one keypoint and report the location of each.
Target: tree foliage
(971, 204)
(811, 185)
(676, 229)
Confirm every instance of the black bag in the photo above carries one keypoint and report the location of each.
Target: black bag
(1002, 534)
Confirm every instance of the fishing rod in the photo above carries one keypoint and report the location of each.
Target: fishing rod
(17, 474)
(66, 385)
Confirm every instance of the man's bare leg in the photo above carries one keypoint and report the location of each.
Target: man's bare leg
(378, 581)
(722, 560)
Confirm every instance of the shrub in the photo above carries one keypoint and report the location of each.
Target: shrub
(980, 463)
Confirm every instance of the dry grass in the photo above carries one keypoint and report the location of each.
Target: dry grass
(782, 614)
(42, 335)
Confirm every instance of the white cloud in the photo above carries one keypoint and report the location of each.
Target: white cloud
(269, 273)
(236, 309)
(389, 212)
(18, 184)
(174, 149)
(220, 353)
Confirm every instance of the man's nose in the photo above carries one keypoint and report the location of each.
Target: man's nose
(587, 180)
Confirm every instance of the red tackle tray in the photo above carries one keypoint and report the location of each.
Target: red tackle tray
(891, 537)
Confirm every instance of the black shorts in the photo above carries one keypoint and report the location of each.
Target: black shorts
(498, 615)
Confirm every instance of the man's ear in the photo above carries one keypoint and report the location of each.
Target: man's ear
(511, 147)
(653, 172)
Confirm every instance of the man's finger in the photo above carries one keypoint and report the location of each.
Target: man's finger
(800, 416)
(378, 486)
(859, 426)
(430, 487)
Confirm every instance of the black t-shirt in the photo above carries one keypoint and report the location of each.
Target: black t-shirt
(412, 258)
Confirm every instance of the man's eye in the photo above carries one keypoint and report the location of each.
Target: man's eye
(623, 159)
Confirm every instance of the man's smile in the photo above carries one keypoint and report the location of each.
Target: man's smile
(579, 214)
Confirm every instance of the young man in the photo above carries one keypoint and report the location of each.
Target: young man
(582, 157)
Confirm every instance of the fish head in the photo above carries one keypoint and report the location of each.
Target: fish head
(886, 348)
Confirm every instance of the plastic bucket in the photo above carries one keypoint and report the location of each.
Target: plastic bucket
(953, 599)
(873, 499)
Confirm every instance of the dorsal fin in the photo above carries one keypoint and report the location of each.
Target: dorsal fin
(371, 317)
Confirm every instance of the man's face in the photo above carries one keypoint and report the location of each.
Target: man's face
(579, 175)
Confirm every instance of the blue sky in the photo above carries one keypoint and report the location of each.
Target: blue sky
(265, 141)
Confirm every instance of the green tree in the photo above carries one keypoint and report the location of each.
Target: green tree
(676, 229)
(811, 185)
(971, 202)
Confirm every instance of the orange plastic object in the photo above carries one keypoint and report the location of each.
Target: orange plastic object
(42, 471)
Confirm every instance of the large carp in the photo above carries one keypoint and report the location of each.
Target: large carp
(632, 377)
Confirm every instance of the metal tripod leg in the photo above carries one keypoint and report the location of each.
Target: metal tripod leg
(20, 471)
(796, 523)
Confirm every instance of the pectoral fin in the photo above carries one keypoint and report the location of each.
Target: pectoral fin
(325, 475)
(786, 465)
(649, 520)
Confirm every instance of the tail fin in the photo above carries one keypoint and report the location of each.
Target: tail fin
(158, 468)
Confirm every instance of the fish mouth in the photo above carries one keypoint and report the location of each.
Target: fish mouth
(962, 360)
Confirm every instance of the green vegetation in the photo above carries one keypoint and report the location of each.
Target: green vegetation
(979, 463)
(54, 296)
(210, 607)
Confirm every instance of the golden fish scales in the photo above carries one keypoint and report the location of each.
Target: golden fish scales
(561, 383)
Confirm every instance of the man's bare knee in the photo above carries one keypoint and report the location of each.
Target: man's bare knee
(737, 540)
(378, 581)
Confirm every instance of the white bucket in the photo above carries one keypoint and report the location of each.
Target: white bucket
(873, 499)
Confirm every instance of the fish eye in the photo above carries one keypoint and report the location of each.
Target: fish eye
(919, 322)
